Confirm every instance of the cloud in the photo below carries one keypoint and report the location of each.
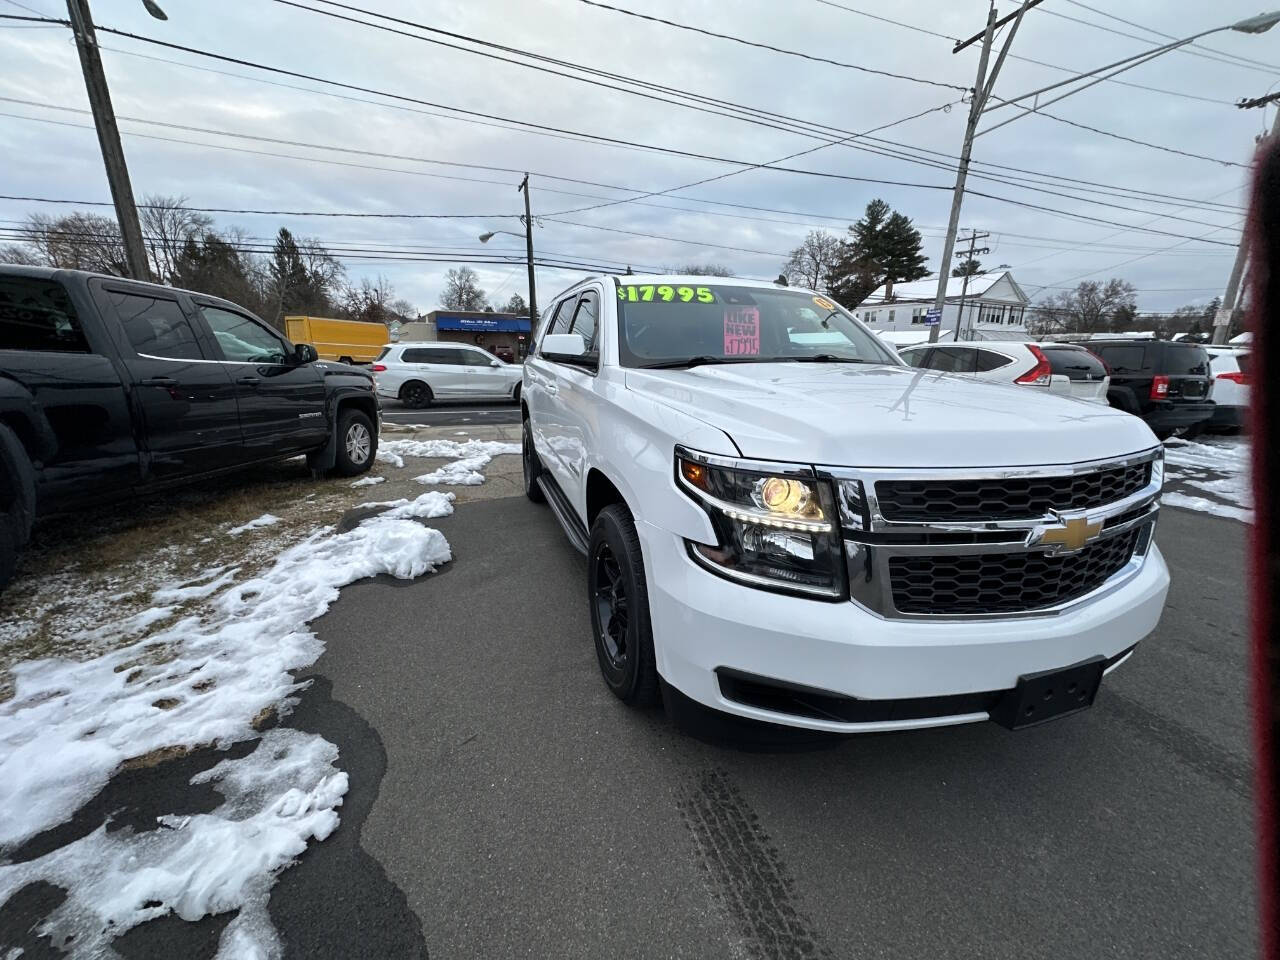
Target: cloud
(59, 161)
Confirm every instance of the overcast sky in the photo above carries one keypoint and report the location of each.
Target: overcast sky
(1191, 110)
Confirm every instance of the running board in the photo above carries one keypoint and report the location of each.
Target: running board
(573, 527)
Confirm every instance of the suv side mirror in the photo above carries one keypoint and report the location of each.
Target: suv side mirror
(495, 363)
(564, 345)
(305, 353)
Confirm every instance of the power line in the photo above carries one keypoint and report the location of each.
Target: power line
(1013, 56)
(1243, 61)
(766, 46)
(280, 213)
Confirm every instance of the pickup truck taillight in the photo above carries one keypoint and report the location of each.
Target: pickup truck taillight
(1235, 376)
(377, 368)
(1159, 387)
(1041, 373)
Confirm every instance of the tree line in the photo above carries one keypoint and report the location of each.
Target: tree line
(292, 275)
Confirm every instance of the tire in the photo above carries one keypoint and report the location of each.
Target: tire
(416, 394)
(619, 604)
(18, 507)
(345, 360)
(532, 465)
(357, 443)
(1163, 435)
(515, 394)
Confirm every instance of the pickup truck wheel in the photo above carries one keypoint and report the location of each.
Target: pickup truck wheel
(532, 465)
(619, 602)
(416, 394)
(357, 444)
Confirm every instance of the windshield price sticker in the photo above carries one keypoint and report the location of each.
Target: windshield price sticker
(824, 303)
(742, 332)
(647, 292)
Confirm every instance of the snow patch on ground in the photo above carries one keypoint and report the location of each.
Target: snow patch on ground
(266, 520)
(193, 589)
(464, 472)
(199, 681)
(1202, 505)
(1219, 467)
(276, 799)
(368, 481)
(386, 456)
(448, 449)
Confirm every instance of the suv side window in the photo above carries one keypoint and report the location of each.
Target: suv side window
(474, 358)
(560, 321)
(155, 326)
(915, 358)
(990, 360)
(38, 315)
(585, 317)
(952, 359)
(244, 340)
(1124, 359)
(422, 355)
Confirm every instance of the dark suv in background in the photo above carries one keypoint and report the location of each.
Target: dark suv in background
(1167, 384)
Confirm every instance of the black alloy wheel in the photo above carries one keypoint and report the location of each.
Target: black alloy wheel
(415, 395)
(609, 595)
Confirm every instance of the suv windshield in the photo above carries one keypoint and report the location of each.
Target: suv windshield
(671, 325)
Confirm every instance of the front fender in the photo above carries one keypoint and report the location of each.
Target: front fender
(19, 409)
(635, 449)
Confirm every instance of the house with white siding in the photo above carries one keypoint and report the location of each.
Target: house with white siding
(992, 307)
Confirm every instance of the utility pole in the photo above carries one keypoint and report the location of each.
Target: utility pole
(973, 251)
(1222, 319)
(981, 92)
(528, 246)
(104, 119)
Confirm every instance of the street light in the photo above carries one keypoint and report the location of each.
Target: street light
(486, 237)
(153, 8)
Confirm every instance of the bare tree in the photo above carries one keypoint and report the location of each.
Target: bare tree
(403, 308)
(462, 290)
(77, 241)
(702, 270)
(810, 264)
(369, 301)
(167, 225)
(1089, 308)
(20, 255)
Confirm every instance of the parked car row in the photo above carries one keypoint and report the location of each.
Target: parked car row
(112, 388)
(1172, 385)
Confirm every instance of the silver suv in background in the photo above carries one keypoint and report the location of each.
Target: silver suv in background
(418, 373)
(1062, 369)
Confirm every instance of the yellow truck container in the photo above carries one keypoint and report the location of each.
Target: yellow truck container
(351, 341)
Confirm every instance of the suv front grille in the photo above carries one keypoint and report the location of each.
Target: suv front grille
(1004, 582)
(1012, 498)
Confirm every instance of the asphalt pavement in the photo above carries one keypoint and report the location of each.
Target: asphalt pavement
(448, 413)
(525, 812)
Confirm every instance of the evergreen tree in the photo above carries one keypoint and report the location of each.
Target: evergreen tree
(882, 247)
(969, 266)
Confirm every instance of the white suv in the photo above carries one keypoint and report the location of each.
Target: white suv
(417, 373)
(785, 523)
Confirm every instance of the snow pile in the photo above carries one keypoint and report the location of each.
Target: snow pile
(1218, 467)
(193, 589)
(369, 481)
(277, 798)
(386, 456)
(446, 449)
(70, 725)
(266, 520)
(464, 472)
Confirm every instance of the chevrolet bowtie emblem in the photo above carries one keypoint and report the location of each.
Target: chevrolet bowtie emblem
(1073, 535)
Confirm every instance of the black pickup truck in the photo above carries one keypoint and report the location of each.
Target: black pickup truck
(112, 388)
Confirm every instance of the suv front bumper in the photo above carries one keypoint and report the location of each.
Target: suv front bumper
(706, 627)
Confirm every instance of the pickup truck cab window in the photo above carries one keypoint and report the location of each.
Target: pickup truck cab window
(156, 326)
(669, 325)
(38, 315)
(243, 340)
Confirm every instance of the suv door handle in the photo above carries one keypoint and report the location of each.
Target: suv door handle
(158, 382)
(552, 389)
(249, 381)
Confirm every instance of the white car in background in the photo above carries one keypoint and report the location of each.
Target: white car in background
(1231, 368)
(1063, 369)
(418, 373)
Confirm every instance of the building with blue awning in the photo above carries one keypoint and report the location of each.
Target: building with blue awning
(504, 334)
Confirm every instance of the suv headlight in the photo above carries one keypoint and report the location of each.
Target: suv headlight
(776, 529)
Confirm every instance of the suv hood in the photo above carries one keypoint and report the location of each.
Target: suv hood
(886, 416)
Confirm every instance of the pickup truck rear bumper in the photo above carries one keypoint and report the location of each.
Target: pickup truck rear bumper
(707, 629)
